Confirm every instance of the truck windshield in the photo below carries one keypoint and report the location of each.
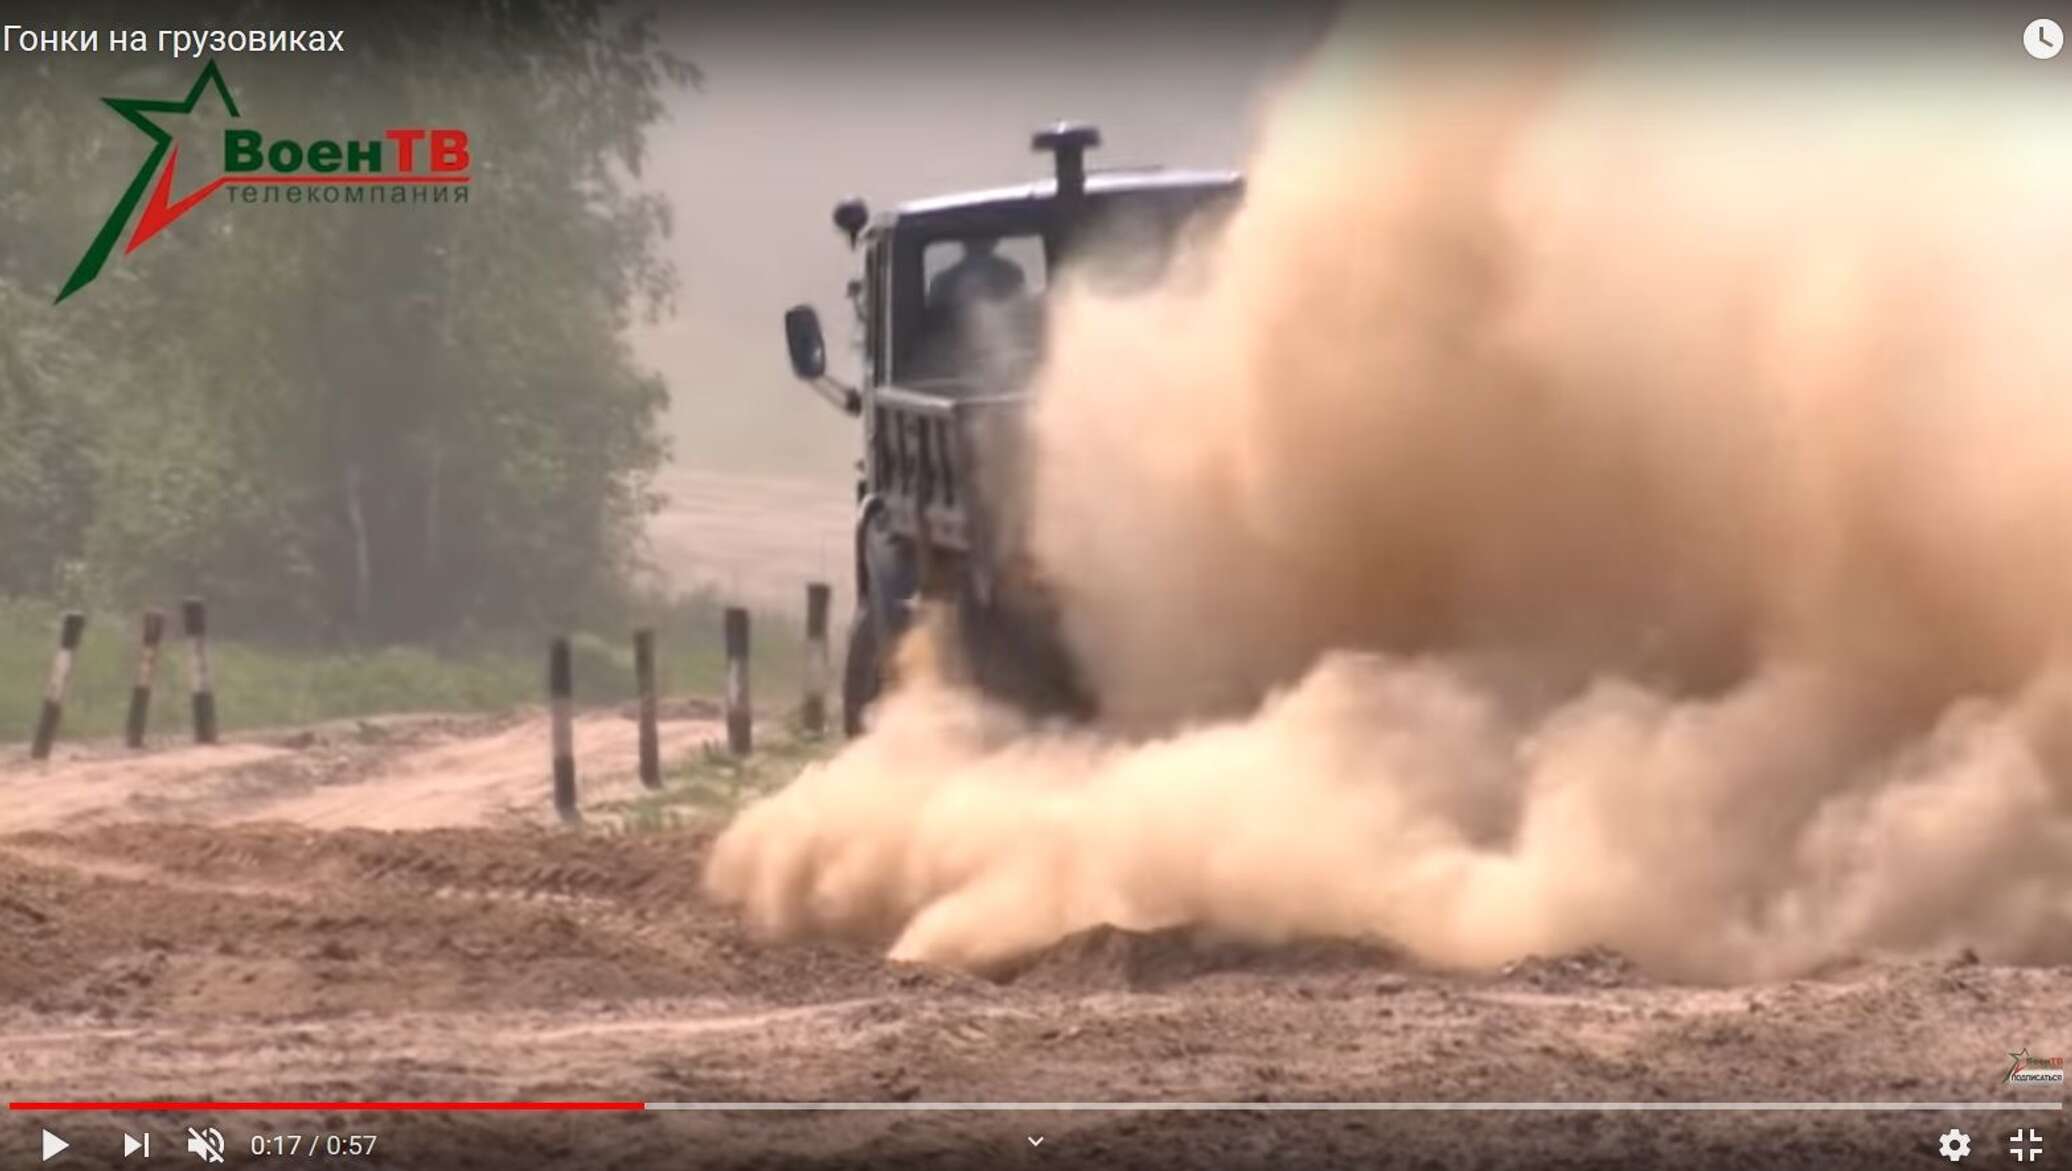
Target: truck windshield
(981, 320)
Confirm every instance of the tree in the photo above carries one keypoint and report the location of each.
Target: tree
(378, 421)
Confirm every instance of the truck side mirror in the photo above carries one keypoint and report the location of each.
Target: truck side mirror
(802, 336)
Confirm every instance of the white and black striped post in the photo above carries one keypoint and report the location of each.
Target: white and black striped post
(194, 617)
(147, 665)
(69, 630)
(813, 713)
(740, 740)
(561, 711)
(644, 680)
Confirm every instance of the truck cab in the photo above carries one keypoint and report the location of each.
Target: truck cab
(951, 310)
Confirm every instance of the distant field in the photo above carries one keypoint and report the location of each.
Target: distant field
(755, 539)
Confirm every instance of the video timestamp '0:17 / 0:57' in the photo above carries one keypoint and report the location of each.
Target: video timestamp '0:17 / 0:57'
(312, 1145)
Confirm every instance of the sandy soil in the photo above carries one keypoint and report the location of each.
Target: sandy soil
(383, 911)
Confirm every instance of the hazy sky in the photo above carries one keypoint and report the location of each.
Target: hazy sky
(800, 109)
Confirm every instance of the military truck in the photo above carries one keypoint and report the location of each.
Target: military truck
(950, 318)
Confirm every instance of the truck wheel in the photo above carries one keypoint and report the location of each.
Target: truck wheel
(863, 673)
(1022, 661)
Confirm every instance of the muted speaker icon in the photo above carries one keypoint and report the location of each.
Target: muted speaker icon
(207, 1143)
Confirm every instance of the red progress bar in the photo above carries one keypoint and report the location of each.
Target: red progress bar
(356, 1107)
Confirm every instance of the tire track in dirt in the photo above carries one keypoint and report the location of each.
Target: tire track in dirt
(141, 873)
(470, 910)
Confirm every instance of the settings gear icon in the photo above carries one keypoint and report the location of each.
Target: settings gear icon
(1955, 1145)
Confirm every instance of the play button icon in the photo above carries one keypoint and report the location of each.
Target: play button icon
(52, 1146)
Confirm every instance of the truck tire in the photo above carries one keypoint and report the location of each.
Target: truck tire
(863, 673)
(1022, 660)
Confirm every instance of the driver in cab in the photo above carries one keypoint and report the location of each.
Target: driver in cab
(977, 311)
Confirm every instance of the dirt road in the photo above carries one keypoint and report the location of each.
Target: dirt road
(390, 773)
(381, 911)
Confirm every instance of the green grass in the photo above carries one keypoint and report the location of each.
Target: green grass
(264, 685)
(714, 782)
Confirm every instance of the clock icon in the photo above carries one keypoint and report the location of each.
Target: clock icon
(2043, 38)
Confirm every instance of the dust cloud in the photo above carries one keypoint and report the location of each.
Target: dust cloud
(1594, 498)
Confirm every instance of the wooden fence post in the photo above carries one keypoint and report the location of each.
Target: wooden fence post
(147, 665)
(69, 630)
(195, 617)
(561, 711)
(644, 679)
(813, 713)
(740, 739)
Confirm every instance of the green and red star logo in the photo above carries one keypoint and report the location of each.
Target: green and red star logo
(159, 212)
(429, 162)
